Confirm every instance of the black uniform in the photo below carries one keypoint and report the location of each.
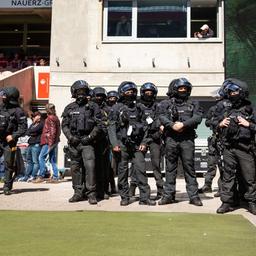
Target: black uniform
(150, 117)
(215, 148)
(180, 144)
(102, 155)
(238, 153)
(79, 125)
(126, 129)
(13, 122)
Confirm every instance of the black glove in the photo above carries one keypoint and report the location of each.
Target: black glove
(74, 141)
(86, 140)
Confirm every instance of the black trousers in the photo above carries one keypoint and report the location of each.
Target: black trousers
(185, 150)
(102, 167)
(10, 164)
(242, 163)
(155, 156)
(83, 170)
(138, 161)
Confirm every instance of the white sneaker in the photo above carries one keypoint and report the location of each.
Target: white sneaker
(30, 179)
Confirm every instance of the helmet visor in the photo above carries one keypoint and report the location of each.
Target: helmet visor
(233, 87)
(127, 87)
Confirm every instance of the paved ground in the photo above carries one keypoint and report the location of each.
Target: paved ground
(54, 197)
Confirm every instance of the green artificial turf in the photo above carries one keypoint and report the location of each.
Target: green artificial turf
(131, 234)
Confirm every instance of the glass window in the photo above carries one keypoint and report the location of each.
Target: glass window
(119, 18)
(162, 18)
(204, 13)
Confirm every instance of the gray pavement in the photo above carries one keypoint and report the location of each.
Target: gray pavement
(54, 197)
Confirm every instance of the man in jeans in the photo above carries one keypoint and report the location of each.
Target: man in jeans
(49, 141)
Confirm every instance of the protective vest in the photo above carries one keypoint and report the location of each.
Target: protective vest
(180, 112)
(131, 125)
(82, 121)
(235, 132)
(150, 117)
(8, 122)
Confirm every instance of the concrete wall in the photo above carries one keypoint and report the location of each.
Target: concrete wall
(77, 37)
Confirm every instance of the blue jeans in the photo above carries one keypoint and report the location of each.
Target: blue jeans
(52, 158)
(33, 152)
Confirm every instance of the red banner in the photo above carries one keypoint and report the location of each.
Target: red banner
(43, 85)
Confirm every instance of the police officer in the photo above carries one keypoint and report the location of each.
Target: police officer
(148, 93)
(102, 146)
(215, 142)
(13, 124)
(79, 124)
(238, 125)
(112, 98)
(180, 117)
(128, 137)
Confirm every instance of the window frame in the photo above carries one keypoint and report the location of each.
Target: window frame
(134, 39)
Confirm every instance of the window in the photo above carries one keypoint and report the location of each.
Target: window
(162, 18)
(159, 20)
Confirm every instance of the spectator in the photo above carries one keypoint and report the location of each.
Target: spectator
(123, 27)
(34, 148)
(205, 32)
(49, 142)
(42, 62)
(22, 144)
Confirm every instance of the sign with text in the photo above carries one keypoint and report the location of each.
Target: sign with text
(26, 3)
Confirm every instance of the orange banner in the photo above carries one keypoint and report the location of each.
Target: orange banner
(43, 85)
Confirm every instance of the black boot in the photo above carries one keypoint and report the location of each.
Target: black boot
(147, 202)
(196, 201)
(252, 208)
(225, 207)
(166, 200)
(217, 194)
(205, 189)
(132, 189)
(75, 198)
(92, 200)
(124, 202)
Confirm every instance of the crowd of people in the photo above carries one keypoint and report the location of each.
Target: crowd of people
(17, 61)
(106, 131)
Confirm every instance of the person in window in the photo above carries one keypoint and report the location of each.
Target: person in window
(123, 27)
(205, 32)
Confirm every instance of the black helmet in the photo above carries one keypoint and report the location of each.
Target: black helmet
(12, 95)
(91, 93)
(112, 94)
(237, 85)
(175, 84)
(79, 84)
(100, 91)
(148, 87)
(126, 86)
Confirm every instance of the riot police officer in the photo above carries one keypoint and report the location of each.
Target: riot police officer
(79, 124)
(148, 93)
(102, 146)
(238, 125)
(215, 142)
(128, 137)
(13, 124)
(180, 116)
(112, 98)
